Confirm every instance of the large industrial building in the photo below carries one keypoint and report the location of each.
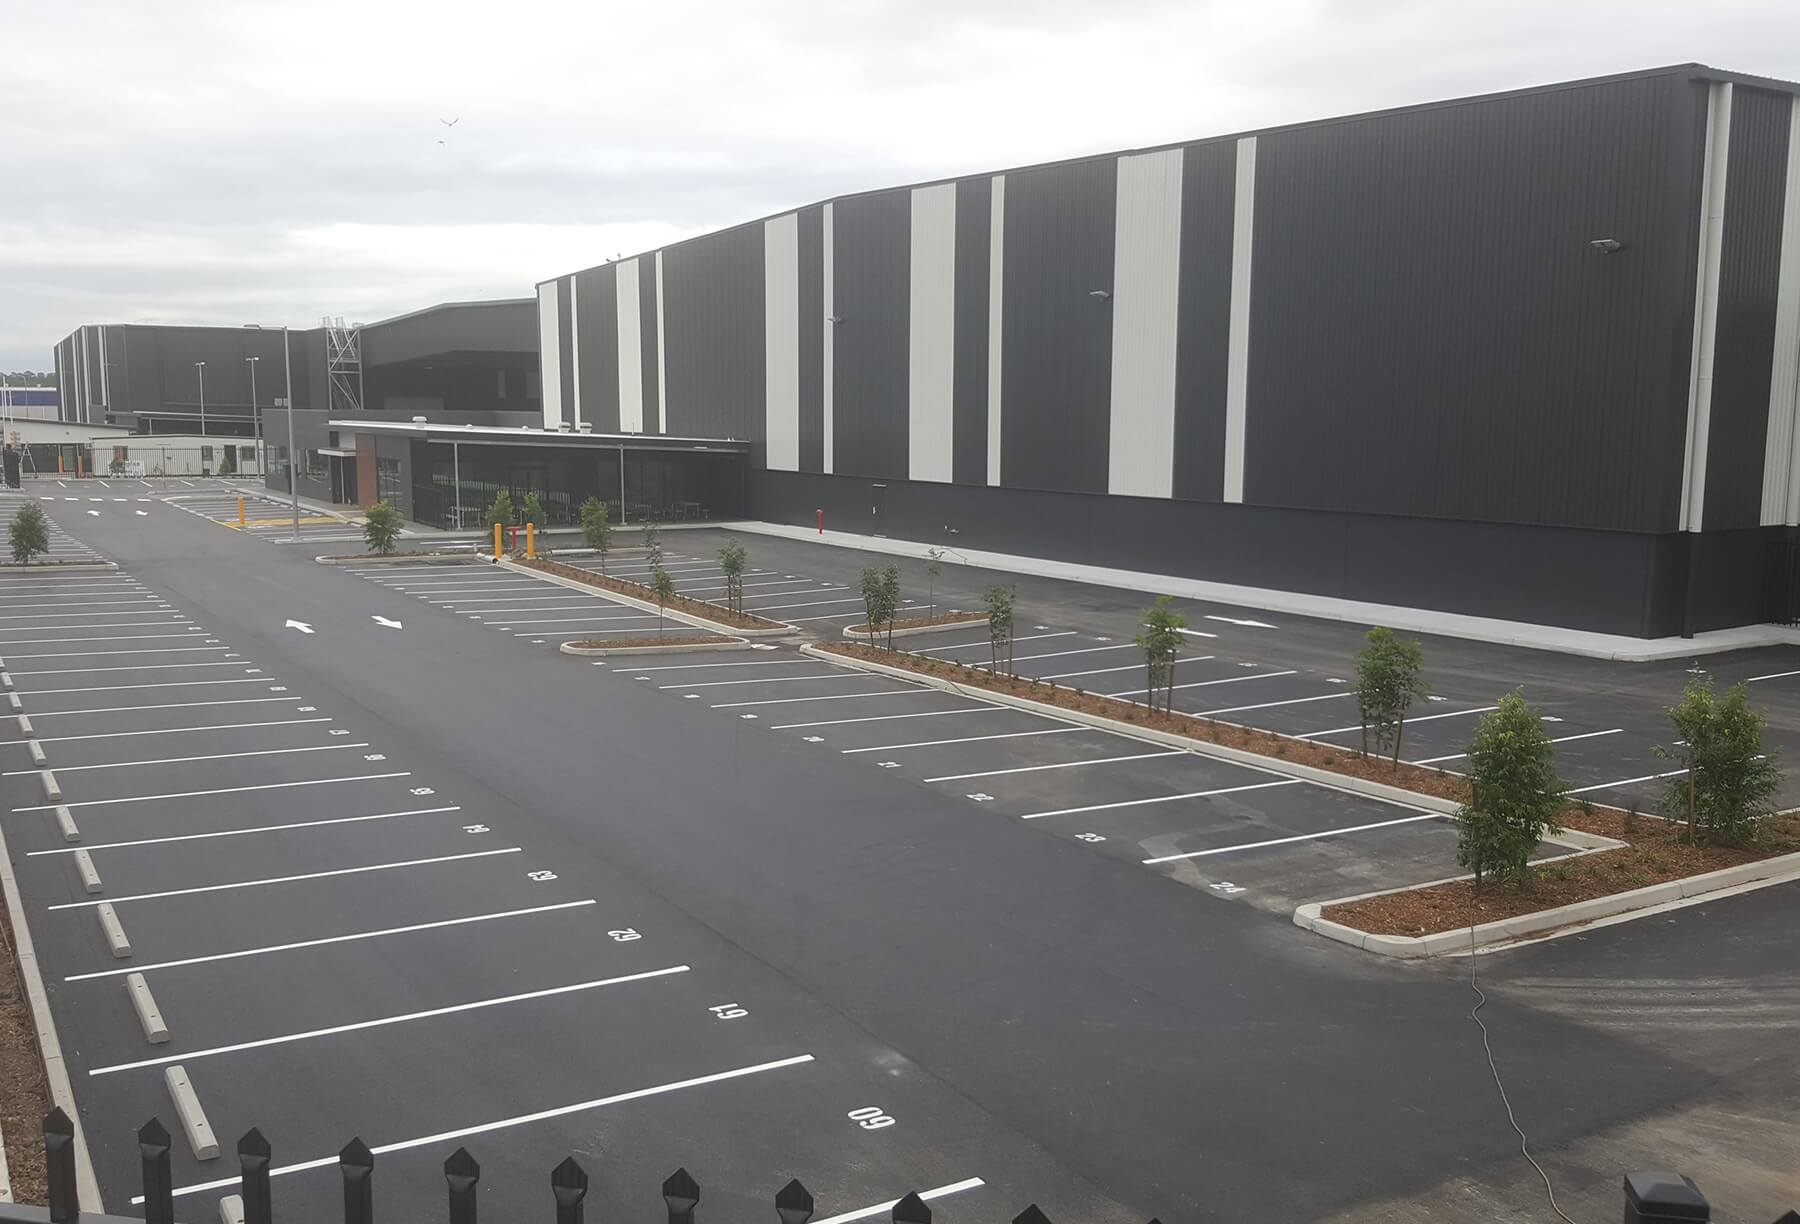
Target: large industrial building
(1529, 356)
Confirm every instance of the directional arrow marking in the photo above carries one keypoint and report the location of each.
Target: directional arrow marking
(1248, 624)
(302, 626)
(391, 624)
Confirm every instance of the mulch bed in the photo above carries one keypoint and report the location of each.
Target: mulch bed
(618, 643)
(681, 603)
(1300, 752)
(24, 1094)
(1658, 853)
(922, 622)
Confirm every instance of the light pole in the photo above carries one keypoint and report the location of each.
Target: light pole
(200, 369)
(287, 364)
(255, 418)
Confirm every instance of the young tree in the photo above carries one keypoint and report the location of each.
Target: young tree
(226, 466)
(596, 528)
(933, 567)
(653, 549)
(502, 511)
(871, 591)
(1000, 601)
(890, 599)
(29, 533)
(1728, 784)
(732, 559)
(665, 591)
(1159, 637)
(1387, 684)
(533, 512)
(1514, 793)
(381, 527)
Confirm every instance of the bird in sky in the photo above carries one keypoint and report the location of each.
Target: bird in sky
(450, 122)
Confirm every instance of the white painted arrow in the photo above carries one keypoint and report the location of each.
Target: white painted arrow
(1248, 624)
(391, 624)
(144, 513)
(1199, 633)
(95, 513)
(302, 626)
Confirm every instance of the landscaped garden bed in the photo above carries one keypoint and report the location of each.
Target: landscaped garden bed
(1330, 757)
(916, 624)
(637, 590)
(1657, 852)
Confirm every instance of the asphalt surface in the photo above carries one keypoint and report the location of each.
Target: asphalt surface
(1061, 1023)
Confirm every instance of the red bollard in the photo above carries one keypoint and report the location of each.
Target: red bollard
(821, 522)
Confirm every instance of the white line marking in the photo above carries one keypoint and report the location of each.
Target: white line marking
(159, 611)
(881, 1209)
(76, 671)
(995, 773)
(227, 790)
(901, 692)
(157, 606)
(221, 756)
(310, 875)
(331, 939)
(120, 688)
(162, 624)
(1102, 671)
(124, 637)
(1409, 722)
(973, 739)
(83, 654)
(1283, 841)
(807, 620)
(384, 1021)
(1656, 777)
(280, 828)
(1772, 676)
(1106, 807)
(838, 722)
(758, 663)
(65, 739)
(1222, 680)
(836, 675)
(817, 603)
(1030, 637)
(172, 705)
(1266, 705)
(1454, 756)
(519, 1120)
(1058, 654)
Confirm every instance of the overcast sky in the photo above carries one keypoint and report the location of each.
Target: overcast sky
(242, 160)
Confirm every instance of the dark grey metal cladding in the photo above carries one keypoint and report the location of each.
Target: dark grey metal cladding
(1744, 349)
(565, 348)
(1431, 333)
(597, 298)
(714, 314)
(505, 326)
(1056, 346)
(872, 296)
(1208, 180)
(647, 335)
(969, 419)
(811, 227)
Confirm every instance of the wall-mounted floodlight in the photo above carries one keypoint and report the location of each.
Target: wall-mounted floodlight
(1100, 293)
(1606, 246)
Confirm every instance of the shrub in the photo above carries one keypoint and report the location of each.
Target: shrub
(596, 528)
(1387, 683)
(1727, 784)
(29, 533)
(502, 512)
(533, 512)
(1514, 793)
(381, 527)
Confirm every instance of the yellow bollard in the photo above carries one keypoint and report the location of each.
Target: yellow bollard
(531, 541)
(240, 512)
(59, 466)
(496, 541)
(78, 471)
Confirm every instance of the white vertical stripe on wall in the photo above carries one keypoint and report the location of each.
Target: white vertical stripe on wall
(1706, 304)
(828, 354)
(549, 355)
(1781, 459)
(662, 350)
(781, 343)
(1237, 360)
(575, 349)
(631, 349)
(996, 283)
(1145, 297)
(87, 378)
(931, 332)
(105, 378)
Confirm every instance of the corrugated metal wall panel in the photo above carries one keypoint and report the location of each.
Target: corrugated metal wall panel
(549, 354)
(716, 344)
(1781, 466)
(812, 339)
(931, 335)
(1146, 289)
(873, 299)
(1208, 176)
(969, 424)
(1056, 346)
(650, 324)
(1749, 275)
(1432, 335)
(597, 294)
(781, 343)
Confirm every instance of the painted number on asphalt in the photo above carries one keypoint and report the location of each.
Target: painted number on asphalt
(374, 756)
(339, 731)
(982, 797)
(813, 739)
(870, 1118)
(624, 936)
(309, 709)
(423, 790)
(476, 828)
(728, 1011)
(1089, 837)
(1226, 886)
(540, 876)
(278, 688)
(889, 764)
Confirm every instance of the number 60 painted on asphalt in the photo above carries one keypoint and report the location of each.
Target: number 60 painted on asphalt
(870, 1118)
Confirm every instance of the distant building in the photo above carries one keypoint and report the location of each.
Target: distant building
(28, 404)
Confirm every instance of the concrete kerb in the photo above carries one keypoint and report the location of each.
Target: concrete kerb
(56, 1071)
(1562, 919)
(973, 618)
(600, 652)
(644, 605)
(60, 567)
